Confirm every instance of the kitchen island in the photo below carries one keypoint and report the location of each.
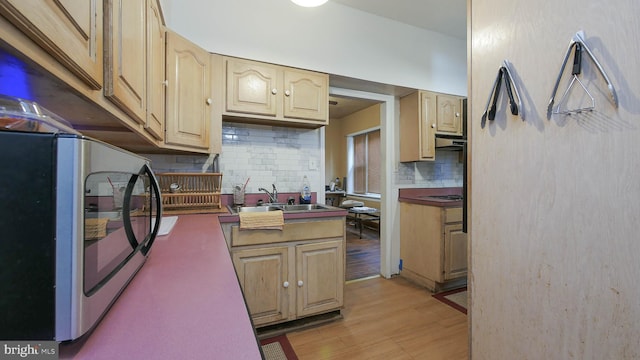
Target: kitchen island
(184, 303)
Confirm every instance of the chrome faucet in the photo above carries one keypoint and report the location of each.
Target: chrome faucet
(273, 197)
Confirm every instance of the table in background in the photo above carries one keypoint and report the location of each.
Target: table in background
(332, 196)
(364, 213)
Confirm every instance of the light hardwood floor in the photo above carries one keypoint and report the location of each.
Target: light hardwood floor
(363, 254)
(387, 320)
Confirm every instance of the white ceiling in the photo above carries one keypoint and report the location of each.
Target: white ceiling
(448, 17)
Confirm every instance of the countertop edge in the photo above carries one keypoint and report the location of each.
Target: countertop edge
(416, 196)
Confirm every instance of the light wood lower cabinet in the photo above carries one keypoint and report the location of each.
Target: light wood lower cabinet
(455, 251)
(433, 248)
(319, 277)
(264, 278)
(289, 280)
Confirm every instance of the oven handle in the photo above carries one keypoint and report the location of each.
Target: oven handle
(145, 245)
(155, 187)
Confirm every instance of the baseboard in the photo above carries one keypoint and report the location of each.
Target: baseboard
(433, 286)
(297, 325)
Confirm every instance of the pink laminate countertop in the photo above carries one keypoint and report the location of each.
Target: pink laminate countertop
(184, 303)
(417, 196)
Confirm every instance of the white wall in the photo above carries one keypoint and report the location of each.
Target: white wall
(333, 38)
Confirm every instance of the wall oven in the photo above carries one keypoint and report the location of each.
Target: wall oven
(78, 218)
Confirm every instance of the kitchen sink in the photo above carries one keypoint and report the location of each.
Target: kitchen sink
(305, 207)
(283, 207)
(237, 209)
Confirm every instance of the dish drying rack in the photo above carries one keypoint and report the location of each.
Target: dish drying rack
(190, 193)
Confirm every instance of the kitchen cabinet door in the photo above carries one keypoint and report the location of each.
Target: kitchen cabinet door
(320, 277)
(427, 126)
(449, 115)
(189, 94)
(69, 30)
(455, 252)
(418, 126)
(251, 87)
(125, 80)
(305, 95)
(156, 84)
(263, 275)
(433, 247)
(263, 93)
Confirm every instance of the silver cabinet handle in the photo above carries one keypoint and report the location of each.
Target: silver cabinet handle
(209, 101)
(287, 93)
(286, 284)
(433, 126)
(457, 114)
(274, 91)
(300, 283)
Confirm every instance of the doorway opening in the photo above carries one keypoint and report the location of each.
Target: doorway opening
(352, 111)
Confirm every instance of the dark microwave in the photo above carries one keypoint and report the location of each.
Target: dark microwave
(78, 218)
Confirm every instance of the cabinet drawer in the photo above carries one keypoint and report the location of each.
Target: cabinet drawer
(452, 215)
(299, 231)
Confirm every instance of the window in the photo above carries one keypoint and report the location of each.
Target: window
(364, 162)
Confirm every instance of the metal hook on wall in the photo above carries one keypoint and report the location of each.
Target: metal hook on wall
(579, 44)
(516, 107)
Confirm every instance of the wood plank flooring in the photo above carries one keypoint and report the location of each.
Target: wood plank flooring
(363, 255)
(387, 319)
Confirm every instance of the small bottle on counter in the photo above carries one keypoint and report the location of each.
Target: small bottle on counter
(305, 193)
(337, 182)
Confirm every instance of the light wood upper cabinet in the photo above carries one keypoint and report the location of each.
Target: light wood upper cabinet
(417, 126)
(449, 114)
(423, 114)
(125, 81)
(70, 30)
(306, 95)
(274, 94)
(156, 84)
(134, 61)
(251, 87)
(189, 94)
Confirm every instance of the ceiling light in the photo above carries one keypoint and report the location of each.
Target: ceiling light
(309, 3)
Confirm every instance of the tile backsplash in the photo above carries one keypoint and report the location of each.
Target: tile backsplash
(266, 154)
(269, 155)
(283, 156)
(445, 171)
